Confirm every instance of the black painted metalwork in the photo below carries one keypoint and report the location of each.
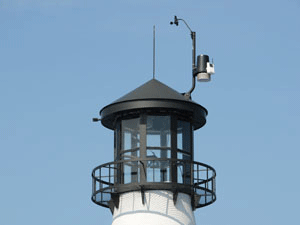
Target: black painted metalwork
(193, 36)
(153, 96)
(153, 148)
(202, 189)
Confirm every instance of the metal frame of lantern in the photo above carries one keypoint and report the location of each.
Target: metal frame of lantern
(108, 179)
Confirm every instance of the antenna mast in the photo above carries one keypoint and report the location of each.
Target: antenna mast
(154, 52)
(193, 36)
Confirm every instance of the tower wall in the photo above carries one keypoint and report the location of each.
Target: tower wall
(158, 209)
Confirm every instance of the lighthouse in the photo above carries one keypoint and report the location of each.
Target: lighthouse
(154, 178)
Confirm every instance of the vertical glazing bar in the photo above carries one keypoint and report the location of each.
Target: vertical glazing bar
(191, 173)
(134, 164)
(109, 174)
(163, 154)
(120, 156)
(115, 143)
(183, 172)
(187, 148)
(153, 169)
(198, 173)
(174, 149)
(122, 173)
(143, 144)
(117, 148)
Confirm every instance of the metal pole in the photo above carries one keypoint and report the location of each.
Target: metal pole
(193, 35)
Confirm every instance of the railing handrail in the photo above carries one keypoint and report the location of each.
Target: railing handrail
(154, 159)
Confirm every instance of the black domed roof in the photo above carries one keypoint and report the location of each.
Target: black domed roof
(152, 95)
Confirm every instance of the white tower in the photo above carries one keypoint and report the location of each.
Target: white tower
(154, 179)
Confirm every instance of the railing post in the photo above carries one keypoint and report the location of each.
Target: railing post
(206, 185)
(100, 179)
(143, 148)
(94, 184)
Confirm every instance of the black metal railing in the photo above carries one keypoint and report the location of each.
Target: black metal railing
(193, 178)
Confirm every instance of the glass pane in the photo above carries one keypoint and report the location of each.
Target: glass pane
(158, 147)
(130, 144)
(153, 140)
(183, 136)
(131, 172)
(158, 131)
(158, 171)
(158, 136)
(180, 174)
(127, 177)
(158, 153)
(183, 156)
(184, 173)
(131, 155)
(127, 140)
(165, 171)
(184, 139)
(131, 135)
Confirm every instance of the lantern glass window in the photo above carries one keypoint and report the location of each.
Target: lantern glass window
(158, 136)
(130, 144)
(158, 147)
(184, 136)
(130, 150)
(184, 151)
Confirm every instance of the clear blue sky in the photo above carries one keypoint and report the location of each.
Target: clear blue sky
(61, 61)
